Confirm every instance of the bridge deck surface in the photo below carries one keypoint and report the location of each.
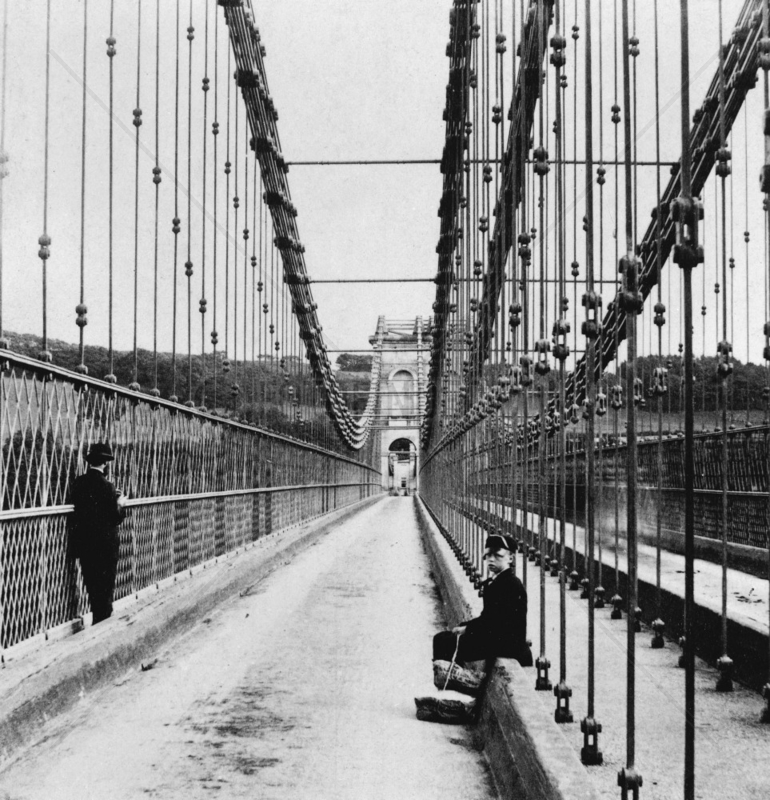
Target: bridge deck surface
(731, 743)
(302, 688)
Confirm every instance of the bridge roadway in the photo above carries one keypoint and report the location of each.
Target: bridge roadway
(302, 688)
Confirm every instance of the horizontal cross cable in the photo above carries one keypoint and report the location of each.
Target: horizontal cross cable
(408, 161)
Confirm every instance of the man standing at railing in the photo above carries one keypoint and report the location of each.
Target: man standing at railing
(99, 509)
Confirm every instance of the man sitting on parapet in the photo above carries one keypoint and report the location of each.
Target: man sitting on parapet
(501, 628)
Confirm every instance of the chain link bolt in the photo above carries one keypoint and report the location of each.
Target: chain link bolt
(542, 684)
(554, 567)
(629, 780)
(725, 667)
(590, 754)
(617, 603)
(563, 694)
(765, 718)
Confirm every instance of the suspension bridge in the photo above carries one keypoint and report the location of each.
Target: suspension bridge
(315, 436)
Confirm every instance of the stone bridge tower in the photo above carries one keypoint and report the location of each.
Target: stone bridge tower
(403, 383)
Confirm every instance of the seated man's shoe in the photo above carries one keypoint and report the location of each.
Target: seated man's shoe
(456, 678)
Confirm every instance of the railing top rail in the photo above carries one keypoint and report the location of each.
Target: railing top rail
(68, 508)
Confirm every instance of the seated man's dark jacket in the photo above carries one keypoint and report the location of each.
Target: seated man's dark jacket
(96, 516)
(501, 630)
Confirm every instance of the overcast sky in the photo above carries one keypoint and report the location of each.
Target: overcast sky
(351, 80)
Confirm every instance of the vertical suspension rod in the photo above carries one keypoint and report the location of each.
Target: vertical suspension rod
(629, 779)
(590, 753)
(689, 420)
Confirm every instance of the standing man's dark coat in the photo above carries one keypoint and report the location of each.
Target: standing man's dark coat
(95, 538)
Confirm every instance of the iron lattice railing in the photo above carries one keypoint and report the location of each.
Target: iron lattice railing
(474, 477)
(199, 487)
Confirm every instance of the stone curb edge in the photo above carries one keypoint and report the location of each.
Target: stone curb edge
(528, 754)
(99, 655)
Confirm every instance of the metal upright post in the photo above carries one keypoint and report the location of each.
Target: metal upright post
(687, 212)
(724, 368)
(590, 727)
(764, 61)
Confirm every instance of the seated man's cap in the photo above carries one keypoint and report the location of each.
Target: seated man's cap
(99, 453)
(498, 541)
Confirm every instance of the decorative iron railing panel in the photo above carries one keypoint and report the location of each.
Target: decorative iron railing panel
(481, 477)
(199, 487)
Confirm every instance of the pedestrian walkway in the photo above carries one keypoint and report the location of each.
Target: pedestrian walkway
(301, 689)
(731, 742)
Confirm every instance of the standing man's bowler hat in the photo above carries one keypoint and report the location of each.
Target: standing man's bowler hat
(99, 453)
